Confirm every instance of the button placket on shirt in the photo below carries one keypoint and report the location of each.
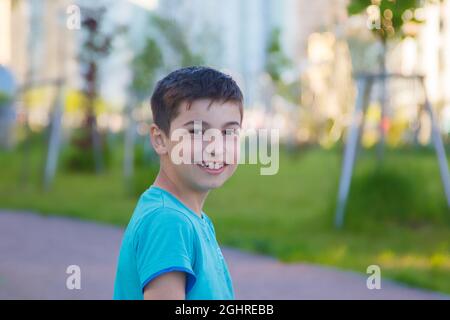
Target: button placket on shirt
(205, 230)
(217, 256)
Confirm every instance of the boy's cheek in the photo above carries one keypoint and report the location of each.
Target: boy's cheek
(231, 169)
(232, 155)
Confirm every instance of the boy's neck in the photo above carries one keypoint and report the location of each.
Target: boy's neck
(193, 200)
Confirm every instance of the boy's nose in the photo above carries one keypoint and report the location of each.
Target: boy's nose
(216, 154)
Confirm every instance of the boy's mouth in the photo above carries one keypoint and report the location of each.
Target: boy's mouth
(212, 167)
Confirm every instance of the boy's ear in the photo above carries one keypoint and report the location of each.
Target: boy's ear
(158, 139)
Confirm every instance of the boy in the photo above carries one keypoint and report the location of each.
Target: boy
(169, 249)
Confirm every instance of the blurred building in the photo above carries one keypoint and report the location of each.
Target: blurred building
(231, 35)
(40, 50)
(36, 44)
(5, 32)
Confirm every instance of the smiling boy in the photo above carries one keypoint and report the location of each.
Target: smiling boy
(169, 249)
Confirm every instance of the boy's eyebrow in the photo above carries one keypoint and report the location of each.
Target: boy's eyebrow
(206, 124)
(231, 123)
(192, 122)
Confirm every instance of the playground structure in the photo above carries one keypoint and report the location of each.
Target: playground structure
(365, 83)
(55, 124)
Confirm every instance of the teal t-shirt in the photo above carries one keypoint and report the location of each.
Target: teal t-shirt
(164, 235)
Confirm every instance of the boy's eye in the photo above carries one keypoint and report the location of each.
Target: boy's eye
(230, 132)
(196, 131)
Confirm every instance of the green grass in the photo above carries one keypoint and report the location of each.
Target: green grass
(396, 215)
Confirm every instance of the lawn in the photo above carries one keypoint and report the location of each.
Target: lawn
(397, 216)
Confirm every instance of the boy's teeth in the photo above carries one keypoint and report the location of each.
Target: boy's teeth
(211, 165)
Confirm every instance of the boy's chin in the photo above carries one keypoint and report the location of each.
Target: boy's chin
(205, 186)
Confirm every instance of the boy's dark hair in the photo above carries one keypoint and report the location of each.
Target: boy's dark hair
(189, 84)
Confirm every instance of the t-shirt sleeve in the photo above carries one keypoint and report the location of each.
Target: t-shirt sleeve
(164, 242)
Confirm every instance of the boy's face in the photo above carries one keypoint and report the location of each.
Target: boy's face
(213, 163)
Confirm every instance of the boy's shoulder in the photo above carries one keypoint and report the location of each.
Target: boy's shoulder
(154, 206)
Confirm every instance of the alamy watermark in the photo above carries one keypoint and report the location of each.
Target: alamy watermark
(215, 147)
(73, 281)
(374, 280)
(374, 17)
(73, 21)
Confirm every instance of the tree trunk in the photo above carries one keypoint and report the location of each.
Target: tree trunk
(383, 101)
(130, 135)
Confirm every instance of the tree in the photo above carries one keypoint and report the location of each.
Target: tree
(96, 45)
(165, 49)
(144, 68)
(177, 41)
(278, 63)
(388, 20)
(7, 92)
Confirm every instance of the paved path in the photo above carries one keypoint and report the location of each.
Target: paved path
(35, 251)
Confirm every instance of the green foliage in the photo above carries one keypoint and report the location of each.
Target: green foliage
(358, 6)
(392, 15)
(168, 39)
(277, 61)
(146, 169)
(404, 228)
(4, 99)
(79, 155)
(144, 66)
(143, 177)
(176, 38)
(276, 64)
(397, 196)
